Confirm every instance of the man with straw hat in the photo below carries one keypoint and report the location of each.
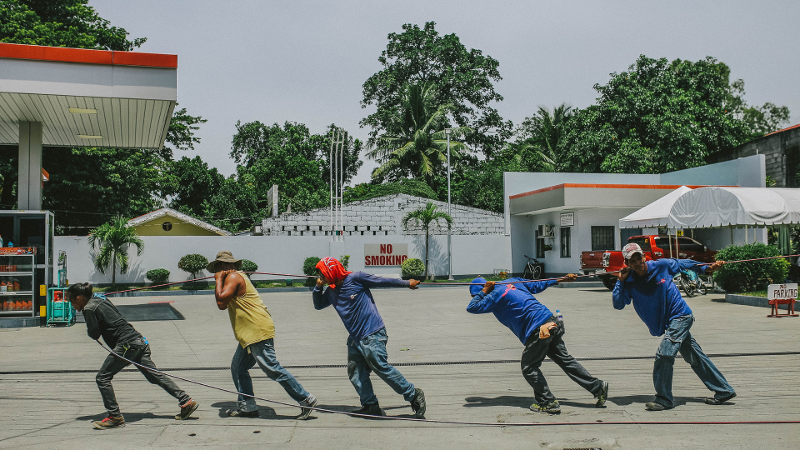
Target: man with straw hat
(253, 328)
(350, 296)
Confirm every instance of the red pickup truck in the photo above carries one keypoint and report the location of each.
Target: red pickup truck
(655, 247)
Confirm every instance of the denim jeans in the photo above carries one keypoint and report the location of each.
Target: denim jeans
(677, 338)
(533, 355)
(369, 354)
(262, 353)
(139, 352)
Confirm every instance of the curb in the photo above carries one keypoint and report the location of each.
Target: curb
(750, 300)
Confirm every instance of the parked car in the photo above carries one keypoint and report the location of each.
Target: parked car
(655, 247)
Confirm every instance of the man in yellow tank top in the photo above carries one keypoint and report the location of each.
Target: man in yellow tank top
(253, 328)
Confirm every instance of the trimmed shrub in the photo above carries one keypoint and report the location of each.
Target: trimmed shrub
(248, 266)
(413, 267)
(193, 263)
(345, 260)
(158, 276)
(308, 265)
(752, 275)
(308, 269)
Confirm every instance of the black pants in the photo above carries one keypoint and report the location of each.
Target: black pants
(553, 347)
(139, 352)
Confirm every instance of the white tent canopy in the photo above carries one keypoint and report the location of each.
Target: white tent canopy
(712, 207)
(655, 214)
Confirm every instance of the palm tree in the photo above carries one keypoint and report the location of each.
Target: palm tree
(415, 143)
(543, 131)
(426, 216)
(112, 240)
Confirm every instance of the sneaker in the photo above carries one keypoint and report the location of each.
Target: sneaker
(371, 409)
(311, 402)
(719, 401)
(109, 422)
(240, 413)
(418, 404)
(187, 409)
(655, 406)
(549, 408)
(602, 396)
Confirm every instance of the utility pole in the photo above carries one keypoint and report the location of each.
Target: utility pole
(449, 231)
(336, 164)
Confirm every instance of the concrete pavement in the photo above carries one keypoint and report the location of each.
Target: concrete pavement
(430, 325)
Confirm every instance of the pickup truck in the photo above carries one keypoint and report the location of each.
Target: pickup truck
(655, 247)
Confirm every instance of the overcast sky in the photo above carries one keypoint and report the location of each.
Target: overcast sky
(305, 61)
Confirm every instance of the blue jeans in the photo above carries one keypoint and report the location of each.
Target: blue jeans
(677, 337)
(369, 354)
(262, 353)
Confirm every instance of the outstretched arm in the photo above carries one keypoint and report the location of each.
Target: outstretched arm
(369, 281)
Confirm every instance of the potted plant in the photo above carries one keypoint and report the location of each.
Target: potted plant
(413, 268)
(547, 247)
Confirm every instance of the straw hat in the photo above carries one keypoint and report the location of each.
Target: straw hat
(223, 257)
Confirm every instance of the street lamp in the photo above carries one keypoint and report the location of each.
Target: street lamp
(449, 255)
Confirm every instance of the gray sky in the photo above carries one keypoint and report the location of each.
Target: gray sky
(305, 61)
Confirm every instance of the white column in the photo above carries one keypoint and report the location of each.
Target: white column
(29, 181)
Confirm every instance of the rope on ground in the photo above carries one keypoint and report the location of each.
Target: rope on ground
(453, 422)
(428, 283)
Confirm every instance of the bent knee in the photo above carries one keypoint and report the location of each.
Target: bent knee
(351, 368)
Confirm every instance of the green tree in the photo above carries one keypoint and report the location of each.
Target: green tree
(366, 191)
(110, 242)
(61, 23)
(762, 120)
(191, 184)
(415, 144)
(657, 117)
(425, 217)
(463, 79)
(543, 133)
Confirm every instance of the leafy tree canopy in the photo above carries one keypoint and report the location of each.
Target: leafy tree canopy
(364, 191)
(61, 23)
(657, 117)
(463, 78)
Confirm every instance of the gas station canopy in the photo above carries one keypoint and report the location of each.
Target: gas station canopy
(68, 97)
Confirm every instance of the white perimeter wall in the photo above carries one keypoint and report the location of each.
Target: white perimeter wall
(285, 254)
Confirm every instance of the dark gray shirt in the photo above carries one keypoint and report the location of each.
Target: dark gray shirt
(104, 319)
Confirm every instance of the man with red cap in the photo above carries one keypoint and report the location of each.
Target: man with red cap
(349, 294)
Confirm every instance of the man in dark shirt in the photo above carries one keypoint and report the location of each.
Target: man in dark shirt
(350, 296)
(103, 319)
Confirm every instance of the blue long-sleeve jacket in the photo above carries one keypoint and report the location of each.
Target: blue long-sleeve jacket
(353, 301)
(655, 297)
(515, 306)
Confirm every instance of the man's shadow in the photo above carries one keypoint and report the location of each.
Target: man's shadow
(525, 402)
(131, 417)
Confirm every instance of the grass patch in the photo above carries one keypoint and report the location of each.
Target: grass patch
(754, 293)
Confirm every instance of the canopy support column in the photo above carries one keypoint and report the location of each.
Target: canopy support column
(29, 180)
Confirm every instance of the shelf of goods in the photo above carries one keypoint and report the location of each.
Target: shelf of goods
(17, 282)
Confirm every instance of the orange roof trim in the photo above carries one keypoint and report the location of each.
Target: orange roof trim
(86, 56)
(602, 186)
(781, 131)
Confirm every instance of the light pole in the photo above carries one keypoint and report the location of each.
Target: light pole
(449, 254)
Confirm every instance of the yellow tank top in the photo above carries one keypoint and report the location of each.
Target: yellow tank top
(250, 319)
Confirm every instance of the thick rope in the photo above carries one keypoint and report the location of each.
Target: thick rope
(431, 283)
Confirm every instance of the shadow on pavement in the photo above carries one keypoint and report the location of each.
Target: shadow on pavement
(630, 399)
(503, 400)
(131, 417)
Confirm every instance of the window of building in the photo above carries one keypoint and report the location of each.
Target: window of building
(539, 242)
(602, 238)
(565, 242)
(166, 226)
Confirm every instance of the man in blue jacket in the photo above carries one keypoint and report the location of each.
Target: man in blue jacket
(657, 301)
(515, 307)
(350, 296)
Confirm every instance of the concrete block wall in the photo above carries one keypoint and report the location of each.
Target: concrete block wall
(781, 152)
(382, 216)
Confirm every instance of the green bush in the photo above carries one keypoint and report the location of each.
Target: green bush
(193, 263)
(158, 276)
(366, 191)
(309, 264)
(248, 266)
(752, 275)
(345, 260)
(413, 267)
(310, 270)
